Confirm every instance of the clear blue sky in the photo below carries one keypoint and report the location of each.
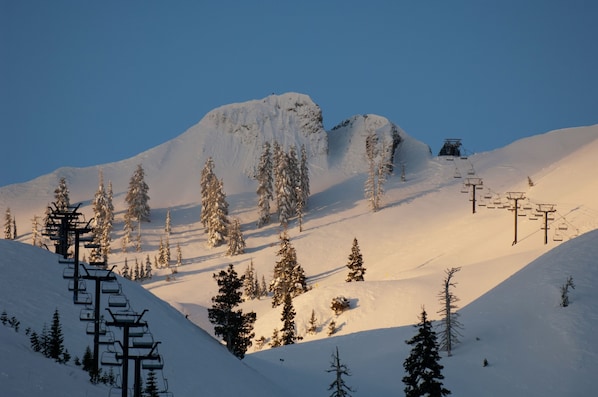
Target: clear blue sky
(91, 82)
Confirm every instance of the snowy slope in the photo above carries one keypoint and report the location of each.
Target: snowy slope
(425, 226)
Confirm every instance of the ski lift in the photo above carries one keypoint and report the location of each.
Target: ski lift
(464, 189)
(457, 173)
(107, 338)
(145, 341)
(154, 364)
(117, 300)
(557, 237)
(90, 330)
(87, 314)
(111, 287)
(562, 226)
(110, 359)
(68, 273)
(82, 298)
(471, 171)
(80, 287)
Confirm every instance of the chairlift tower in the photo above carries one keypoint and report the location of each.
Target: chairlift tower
(475, 184)
(546, 209)
(516, 197)
(126, 321)
(98, 275)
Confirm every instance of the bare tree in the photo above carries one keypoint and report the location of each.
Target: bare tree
(449, 324)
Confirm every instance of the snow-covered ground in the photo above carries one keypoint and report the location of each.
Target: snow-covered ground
(509, 294)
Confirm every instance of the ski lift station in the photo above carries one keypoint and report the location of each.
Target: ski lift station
(451, 147)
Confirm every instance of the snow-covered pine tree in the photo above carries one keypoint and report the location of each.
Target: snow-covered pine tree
(284, 190)
(264, 189)
(249, 289)
(179, 255)
(288, 274)
(355, 264)
(138, 209)
(371, 188)
(206, 183)
(15, 234)
(61, 195)
(263, 287)
(141, 271)
(148, 267)
(218, 212)
(449, 325)
(8, 225)
(275, 340)
(167, 251)
(332, 328)
(236, 242)
(109, 212)
(289, 332)
(235, 327)
(136, 270)
(126, 273)
(101, 222)
(304, 177)
(295, 178)
(424, 372)
(161, 254)
(338, 386)
(168, 223)
(36, 239)
(313, 323)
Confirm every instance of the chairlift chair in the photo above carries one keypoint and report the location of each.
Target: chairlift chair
(457, 174)
(111, 287)
(117, 300)
(83, 298)
(81, 285)
(557, 237)
(110, 359)
(145, 341)
(68, 273)
(87, 314)
(107, 338)
(90, 329)
(563, 226)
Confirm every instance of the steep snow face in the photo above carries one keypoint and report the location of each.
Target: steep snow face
(348, 145)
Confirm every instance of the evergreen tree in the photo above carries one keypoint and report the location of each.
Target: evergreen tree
(36, 238)
(338, 386)
(168, 223)
(167, 251)
(289, 333)
(161, 254)
(424, 373)
(44, 341)
(295, 178)
(88, 362)
(61, 195)
(136, 275)
(448, 334)
(332, 328)
(138, 209)
(275, 341)
(126, 271)
(288, 274)
(235, 327)
(218, 210)
(371, 189)
(14, 228)
(263, 287)
(8, 225)
(313, 323)
(102, 222)
(35, 342)
(249, 289)
(148, 267)
(206, 183)
(264, 190)
(56, 348)
(285, 190)
(236, 242)
(151, 385)
(355, 265)
(179, 255)
(304, 177)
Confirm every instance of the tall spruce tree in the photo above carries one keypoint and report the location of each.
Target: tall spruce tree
(36, 238)
(103, 214)
(424, 372)
(338, 386)
(264, 189)
(355, 265)
(151, 385)
(235, 327)
(206, 184)
(56, 349)
(284, 190)
(289, 331)
(288, 274)
(218, 215)
(449, 324)
(249, 283)
(304, 177)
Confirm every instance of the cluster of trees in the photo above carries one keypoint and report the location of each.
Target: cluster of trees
(138, 209)
(139, 272)
(50, 342)
(379, 168)
(282, 177)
